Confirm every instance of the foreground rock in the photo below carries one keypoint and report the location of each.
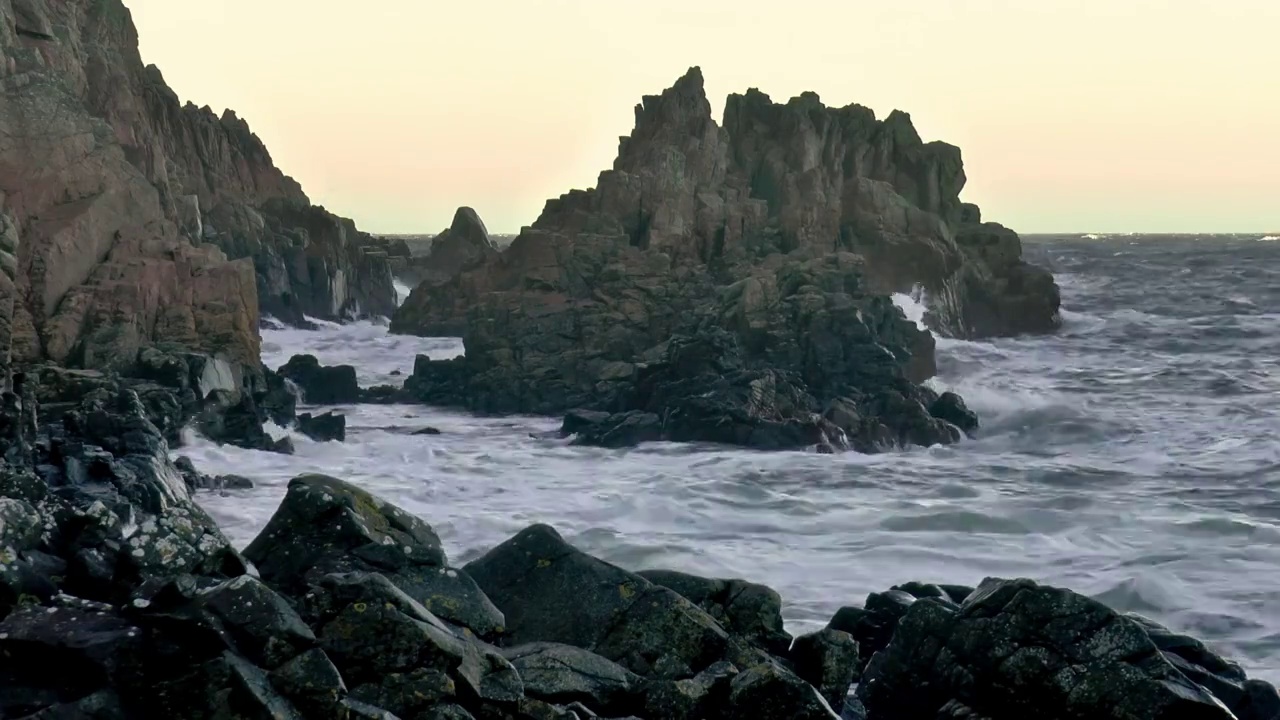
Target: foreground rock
(326, 527)
(120, 598)
(732, 285)
(1015, 649)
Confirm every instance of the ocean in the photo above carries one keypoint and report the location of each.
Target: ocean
(1134, 457)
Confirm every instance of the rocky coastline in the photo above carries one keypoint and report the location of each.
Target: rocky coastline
(120, 598)
(724, 284)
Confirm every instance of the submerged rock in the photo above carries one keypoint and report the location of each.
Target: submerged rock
(323, 428)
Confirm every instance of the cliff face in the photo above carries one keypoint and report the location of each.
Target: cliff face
(127, 218)
(795, 178)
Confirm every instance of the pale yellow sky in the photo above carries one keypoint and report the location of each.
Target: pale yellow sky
(1084, 115)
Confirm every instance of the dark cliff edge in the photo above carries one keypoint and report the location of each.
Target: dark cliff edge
(731, 284)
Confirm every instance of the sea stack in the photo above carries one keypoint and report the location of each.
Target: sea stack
(738, 278)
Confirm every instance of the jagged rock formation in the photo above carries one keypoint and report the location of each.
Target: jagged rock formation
(464, 245)
(120, 208)
(797, 177)
(785, 229)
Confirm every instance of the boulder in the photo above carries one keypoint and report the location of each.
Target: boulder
(322, 385)
(827, 660)
(326, 526)
(312, 683)
(550, 591)
(746, 610)
(872, 626)
(703, 695)
(769, 690)
(380, 643)
(565, 674)
(1016, 649)
(323, 428)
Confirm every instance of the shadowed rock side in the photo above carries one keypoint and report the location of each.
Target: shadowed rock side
(120, 598)
(730, 285)
(127, 218)
(464, 245)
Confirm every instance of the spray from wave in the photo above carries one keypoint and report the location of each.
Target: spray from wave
(402, 291)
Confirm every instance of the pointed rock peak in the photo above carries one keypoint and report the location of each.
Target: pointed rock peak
(691, 81)
(682, 103)
(899, 123)
(467, 224)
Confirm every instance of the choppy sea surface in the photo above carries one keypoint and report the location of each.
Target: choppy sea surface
(1134, 457)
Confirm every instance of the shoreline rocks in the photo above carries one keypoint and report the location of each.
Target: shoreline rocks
(356, 611)
(119, 598)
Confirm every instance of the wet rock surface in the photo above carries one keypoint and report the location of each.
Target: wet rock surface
(323, 428)
(120, 598)
(322, 385)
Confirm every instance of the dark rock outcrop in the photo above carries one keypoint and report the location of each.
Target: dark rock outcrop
(323, 428)
(464, 245)
(326, 527)
(770, 246)
(322, 384)
(1016, 649)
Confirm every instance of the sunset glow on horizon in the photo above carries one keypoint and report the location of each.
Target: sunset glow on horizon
(1084, 116)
